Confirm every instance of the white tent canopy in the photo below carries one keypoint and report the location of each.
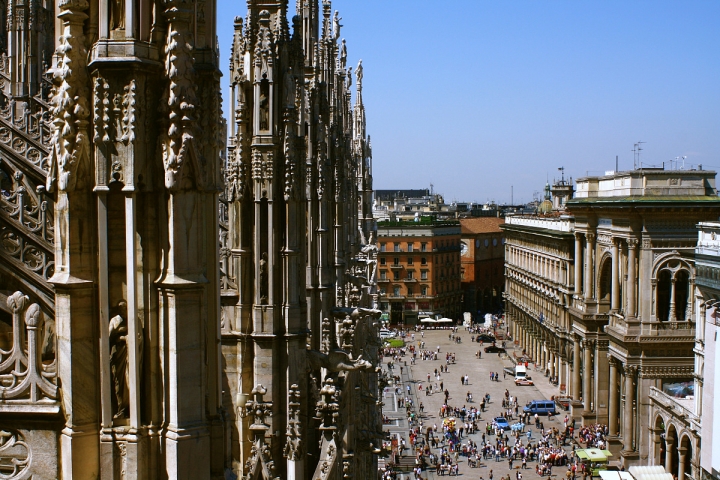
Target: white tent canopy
(445, 320)
(610, 475)
(428, 320)
(654, 472)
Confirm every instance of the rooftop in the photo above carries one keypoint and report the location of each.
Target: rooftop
(481, 225)
(650, 184)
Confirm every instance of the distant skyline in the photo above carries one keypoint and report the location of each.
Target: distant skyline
(475, 96)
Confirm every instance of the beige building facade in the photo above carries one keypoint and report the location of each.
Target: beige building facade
(627, 298)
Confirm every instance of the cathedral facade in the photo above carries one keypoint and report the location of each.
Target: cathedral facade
(166, 313)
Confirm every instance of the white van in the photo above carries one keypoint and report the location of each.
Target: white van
(385, 333)
(520, 372)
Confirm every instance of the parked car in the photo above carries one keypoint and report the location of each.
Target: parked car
(523, 381)
(484, 337)
(501, 423)
(494, 349)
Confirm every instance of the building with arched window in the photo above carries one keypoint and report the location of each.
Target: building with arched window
(614, 320)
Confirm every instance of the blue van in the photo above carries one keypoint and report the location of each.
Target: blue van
(541, 407)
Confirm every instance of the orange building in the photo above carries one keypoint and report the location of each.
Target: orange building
(482, 264)
(419, 270)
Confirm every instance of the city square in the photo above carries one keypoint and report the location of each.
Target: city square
(479, 385)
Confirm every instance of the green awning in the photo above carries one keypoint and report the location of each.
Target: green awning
(593, 454)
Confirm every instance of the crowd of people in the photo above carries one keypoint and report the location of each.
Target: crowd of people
(461, 437)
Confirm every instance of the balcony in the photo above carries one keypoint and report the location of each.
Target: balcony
(383, 280)
(680, 408)
(410, 280)
(398, 266)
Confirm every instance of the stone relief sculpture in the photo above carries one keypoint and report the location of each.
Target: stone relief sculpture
(337, 361)
(119, 360)
(117, 15)
(263, 279)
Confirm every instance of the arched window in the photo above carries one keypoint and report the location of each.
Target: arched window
(606, 281)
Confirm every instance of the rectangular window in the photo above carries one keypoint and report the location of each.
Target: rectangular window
(410, 260)
(396, 261)
(383, 274)
(396, 291)
(396, 247)
(411, 274)
(410, 247)
(423, 291)
(382, 247)
(423, 261)
(382, 292)
(382, 261)
(410, 290)
(423, 247)
(396, 275)
(423, 275)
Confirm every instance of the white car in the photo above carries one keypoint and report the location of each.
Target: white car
(385, 333)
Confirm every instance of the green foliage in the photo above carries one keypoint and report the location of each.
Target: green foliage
(396, 342)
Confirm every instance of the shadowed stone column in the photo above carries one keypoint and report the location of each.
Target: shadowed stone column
(669, 446)
(578, 263)
(615, 281)
(590, 241)
(628, 424)
(613, 398)
(587, 375)
(576, 370)
(632, 280)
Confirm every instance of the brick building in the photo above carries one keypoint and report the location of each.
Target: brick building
(481, 264)
(419, 270)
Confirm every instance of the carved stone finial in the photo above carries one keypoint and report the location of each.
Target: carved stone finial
(328, 406)
(258, 409)
(293, 444)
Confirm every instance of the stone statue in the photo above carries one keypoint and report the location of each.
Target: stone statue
(355, 313)
(336, 25)
(336, 361)
(264, 110)
(119, 359)
(289, 85)
(117, 15)
(359, 73)
(263, 279)
(343, 54)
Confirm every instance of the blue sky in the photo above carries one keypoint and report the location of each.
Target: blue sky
(477, 96)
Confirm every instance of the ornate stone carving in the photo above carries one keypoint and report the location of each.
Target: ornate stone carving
(337, 361)
(23, 376)
(101, 110)
(293, 444)
(260, 453)
(328, 406)
(178, 141)
(15, 455)
(70, 154)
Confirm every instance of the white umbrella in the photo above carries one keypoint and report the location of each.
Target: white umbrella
(427, 320)
(445, 320)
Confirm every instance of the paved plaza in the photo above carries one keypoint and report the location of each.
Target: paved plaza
(478, 370)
